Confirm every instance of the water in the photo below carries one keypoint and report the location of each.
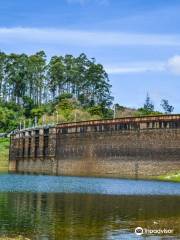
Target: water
(75, 208)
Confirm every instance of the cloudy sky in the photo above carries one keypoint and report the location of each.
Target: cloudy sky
(137, 41)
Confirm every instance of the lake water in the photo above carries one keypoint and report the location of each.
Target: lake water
(75, 208)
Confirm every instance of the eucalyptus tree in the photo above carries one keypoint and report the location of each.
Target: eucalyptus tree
(37, 76)
(99, 86)
(69, 73)
(16, 77)
(82, 77)
(31, 80)
(2, 73)
(148, 105)
(55, 75)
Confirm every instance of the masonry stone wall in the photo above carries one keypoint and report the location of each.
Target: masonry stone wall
(141, 149)
(134, 154)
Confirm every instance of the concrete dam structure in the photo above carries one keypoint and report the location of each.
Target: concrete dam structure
(132, 147)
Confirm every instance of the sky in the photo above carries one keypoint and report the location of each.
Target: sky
(137, 41)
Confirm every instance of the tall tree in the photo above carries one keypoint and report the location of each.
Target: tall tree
(55, 75)
(30, 80)
(168, 109)
(83, 78)
(37, 77)
(2, 73)
(16, 75)
(148, 105)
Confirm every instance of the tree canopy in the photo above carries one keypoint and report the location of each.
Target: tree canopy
(66, 88)
(32, 79)
(31, 85)
(166, 107)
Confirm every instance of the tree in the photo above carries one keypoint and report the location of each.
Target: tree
(2, 65)
(82, 77)
(148, 108)
(56, 75)
(37, 77)
(168, 109)
(148, 105)
(31, 85)
(16, 75)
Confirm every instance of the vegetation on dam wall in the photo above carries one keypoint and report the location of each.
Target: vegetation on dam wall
(4, 154)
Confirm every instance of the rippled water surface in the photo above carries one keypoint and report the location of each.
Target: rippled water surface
(75, 208)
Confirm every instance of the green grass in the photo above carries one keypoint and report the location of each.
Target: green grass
(174, 177)
(4, 154)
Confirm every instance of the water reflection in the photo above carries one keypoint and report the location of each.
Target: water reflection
(56, 216)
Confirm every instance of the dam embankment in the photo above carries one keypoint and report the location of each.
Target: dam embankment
(141, 147)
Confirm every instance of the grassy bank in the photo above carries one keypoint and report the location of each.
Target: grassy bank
(4, 154)
(175, 177)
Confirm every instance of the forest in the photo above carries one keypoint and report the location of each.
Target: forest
(26, 78)
(37, 90)
(31, 85)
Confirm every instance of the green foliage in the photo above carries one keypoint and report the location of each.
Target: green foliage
(166, 107)
(146, 112)
(30, 86)
(37, 112)
(100, 110)
(78, 77)
(95, 110)
(148, 105)
(147, 109)
(8, 120)
(65, 107)
(66, 88)
(28, 105)
(119, 107)
(64, 96)
(31, 80)
(173, 177)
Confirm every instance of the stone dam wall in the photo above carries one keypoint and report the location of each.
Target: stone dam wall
(141, 147)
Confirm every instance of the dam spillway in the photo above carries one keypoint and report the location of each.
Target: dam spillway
(131, 147)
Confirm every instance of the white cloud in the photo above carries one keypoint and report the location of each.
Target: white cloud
(85, 38)
(173, 64)
(72, 38)
(136, 67)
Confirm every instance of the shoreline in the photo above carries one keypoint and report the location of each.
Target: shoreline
(172, 177)
(164, 178)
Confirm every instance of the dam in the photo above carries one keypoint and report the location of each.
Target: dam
(130, 147)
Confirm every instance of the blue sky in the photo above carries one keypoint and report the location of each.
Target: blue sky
(137, 41)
